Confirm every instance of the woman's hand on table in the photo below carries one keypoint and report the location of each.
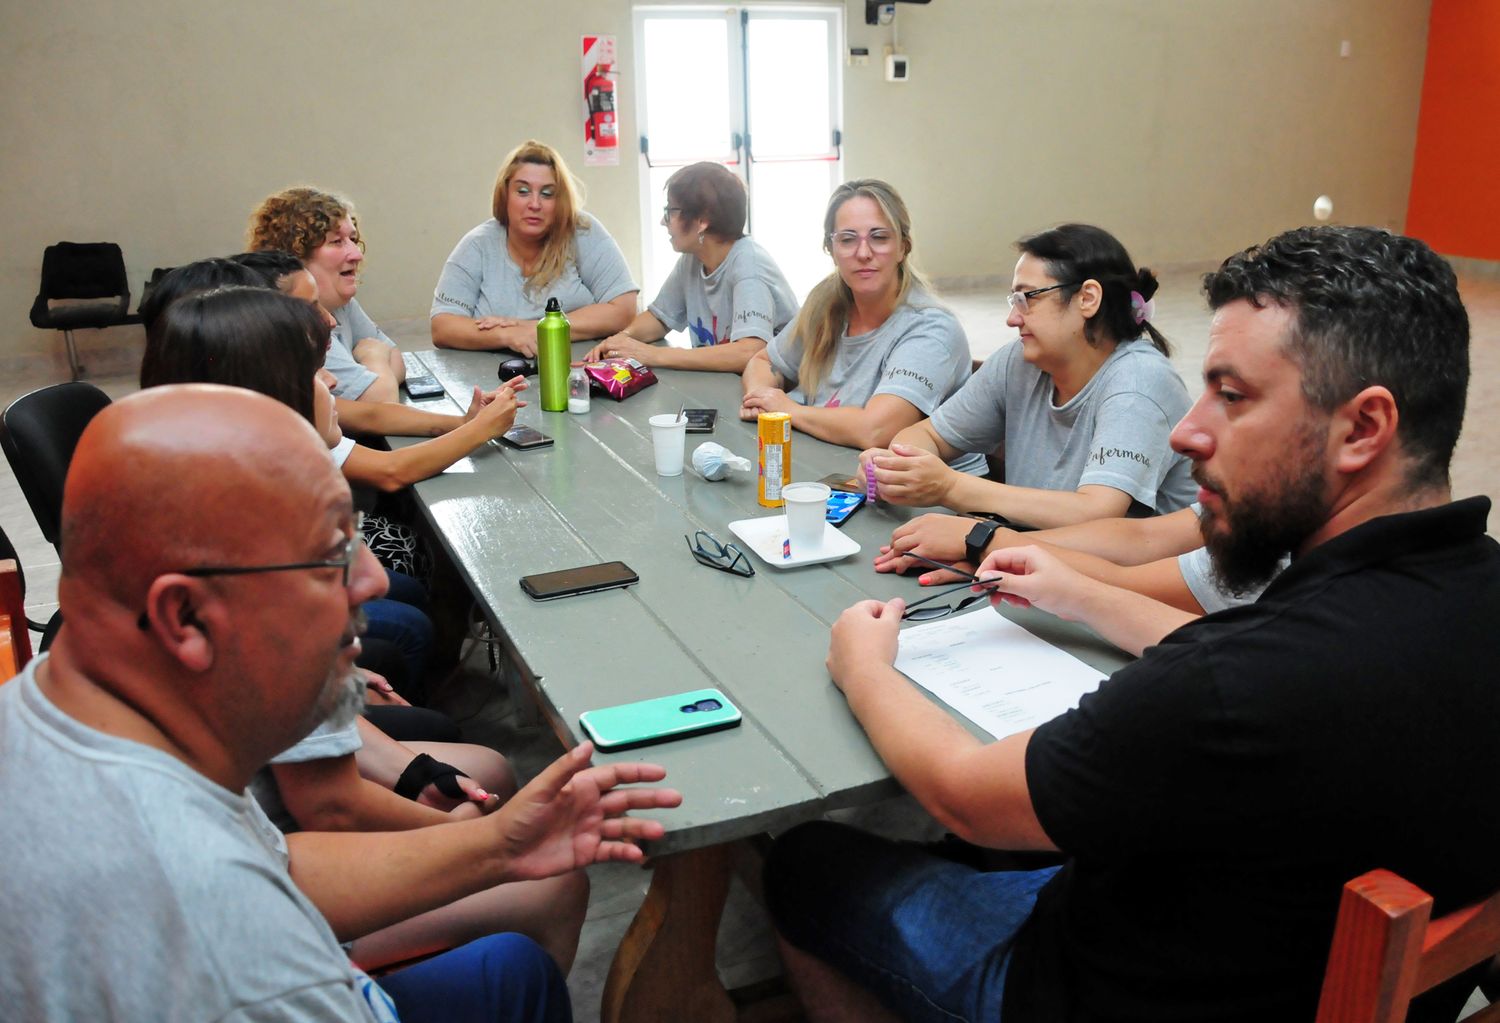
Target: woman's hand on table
(934, 535)
(765, 399)
(506, 332)
(623, 346)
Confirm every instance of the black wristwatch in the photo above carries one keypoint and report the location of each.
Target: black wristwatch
(978, 539)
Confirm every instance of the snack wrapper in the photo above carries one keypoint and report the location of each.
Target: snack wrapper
(714, 461)
(618, 378)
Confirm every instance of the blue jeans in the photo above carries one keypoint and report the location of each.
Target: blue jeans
(930, 938)
(400, 618)
(504, 977)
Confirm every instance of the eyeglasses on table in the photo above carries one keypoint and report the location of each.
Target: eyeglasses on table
(725, 557)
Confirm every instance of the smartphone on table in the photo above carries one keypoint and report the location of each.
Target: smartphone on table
(843, 482)
(524, 437)
(572, 581)
(659, 720)
(841, 505)
(700, 420)
(423, 387)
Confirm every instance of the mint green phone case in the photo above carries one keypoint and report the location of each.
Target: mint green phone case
(658, 720)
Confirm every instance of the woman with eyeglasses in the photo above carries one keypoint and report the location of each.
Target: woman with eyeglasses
(539, 244)
(725, 291)
(872, 351)
(1084, 401)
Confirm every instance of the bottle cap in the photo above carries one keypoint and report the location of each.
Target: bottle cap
(554, 306)
(576, 365)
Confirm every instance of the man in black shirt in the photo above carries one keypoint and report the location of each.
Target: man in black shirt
(1211, 798)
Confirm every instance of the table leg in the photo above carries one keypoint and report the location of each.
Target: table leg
(664, 969)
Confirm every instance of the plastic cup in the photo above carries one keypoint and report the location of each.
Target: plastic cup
(806, 513)
(669, 439)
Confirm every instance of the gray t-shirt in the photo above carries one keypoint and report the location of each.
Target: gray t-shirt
(480, 279)
(745, 296)
(352, 326)
(919, 353)
(1112, 433)
(136, 889)
(323, 743)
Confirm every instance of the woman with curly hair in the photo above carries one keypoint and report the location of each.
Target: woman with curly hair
(321, 230)
(539, 244)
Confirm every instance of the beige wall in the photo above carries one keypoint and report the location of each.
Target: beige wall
(1189, 127)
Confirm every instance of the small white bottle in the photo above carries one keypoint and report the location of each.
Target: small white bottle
(578, 389)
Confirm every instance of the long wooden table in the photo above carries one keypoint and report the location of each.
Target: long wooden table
(594, 496)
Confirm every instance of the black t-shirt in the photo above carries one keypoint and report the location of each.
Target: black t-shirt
(1214, 796)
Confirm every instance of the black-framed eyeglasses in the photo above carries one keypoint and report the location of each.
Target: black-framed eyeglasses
(928, 614)
(1020, 301)
(667, 211)
(344, 562)
(725, 557)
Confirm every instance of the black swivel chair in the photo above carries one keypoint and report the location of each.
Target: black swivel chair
(83, 286)
(38, 433)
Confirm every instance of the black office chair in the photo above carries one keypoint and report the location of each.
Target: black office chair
(83, 286)
(47, 629)
(38, 433)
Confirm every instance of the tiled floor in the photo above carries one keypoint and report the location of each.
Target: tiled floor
(746, 951)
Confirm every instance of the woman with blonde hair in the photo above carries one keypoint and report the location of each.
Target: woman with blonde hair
(321, 230)
(872, 351)
(725, 291)
(539, 244)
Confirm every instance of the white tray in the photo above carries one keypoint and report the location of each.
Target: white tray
(764, 536)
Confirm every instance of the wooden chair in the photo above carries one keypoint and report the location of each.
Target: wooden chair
(1387, 950)
(15, 640)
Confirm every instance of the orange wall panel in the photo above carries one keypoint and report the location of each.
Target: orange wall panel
(1455, 187)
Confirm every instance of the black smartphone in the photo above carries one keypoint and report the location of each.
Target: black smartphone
(423, 387)
(700, 420)
(571, 581)
(841, 505)
(524, 437)
(846, 483)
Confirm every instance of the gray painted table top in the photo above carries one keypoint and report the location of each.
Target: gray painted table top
(594, 496)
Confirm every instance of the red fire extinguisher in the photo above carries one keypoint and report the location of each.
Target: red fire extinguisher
(599, 87)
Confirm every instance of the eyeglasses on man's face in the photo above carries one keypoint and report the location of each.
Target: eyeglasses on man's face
(725, 557)
(846, 243)
(1020, 301)
(344, 563)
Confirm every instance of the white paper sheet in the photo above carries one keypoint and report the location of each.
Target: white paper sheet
(994, 672)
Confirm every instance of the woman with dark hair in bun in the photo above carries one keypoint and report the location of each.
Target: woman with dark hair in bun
(1084, 401)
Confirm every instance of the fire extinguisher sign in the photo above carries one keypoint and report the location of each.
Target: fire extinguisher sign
(601, 126)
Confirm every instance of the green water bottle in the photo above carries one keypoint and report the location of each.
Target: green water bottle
(554, 354)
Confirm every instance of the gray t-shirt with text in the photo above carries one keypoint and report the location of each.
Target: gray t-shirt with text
(1113, 433)
(920, 353)
(136, 888)
(745, 296)
(480, 279)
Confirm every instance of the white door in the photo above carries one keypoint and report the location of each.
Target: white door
(756, 88)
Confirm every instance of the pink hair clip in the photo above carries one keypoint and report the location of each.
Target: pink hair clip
(1141, 309)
